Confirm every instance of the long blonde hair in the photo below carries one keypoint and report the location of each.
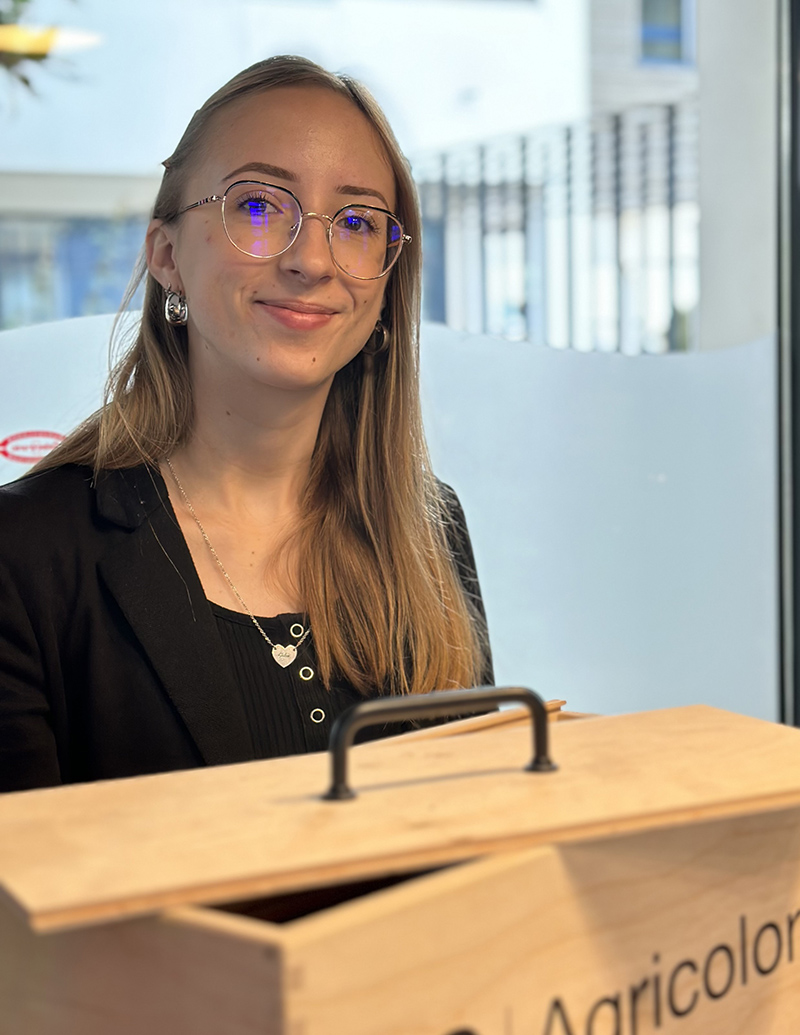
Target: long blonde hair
(380, 587)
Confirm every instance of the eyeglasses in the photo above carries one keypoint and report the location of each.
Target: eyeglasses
(264, 221)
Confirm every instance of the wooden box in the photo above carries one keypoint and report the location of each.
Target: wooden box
(651, 884)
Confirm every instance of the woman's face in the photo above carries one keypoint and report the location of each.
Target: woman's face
(293, 320)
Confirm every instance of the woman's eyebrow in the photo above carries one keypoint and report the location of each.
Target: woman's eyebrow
(265, 168)
(349, 188)
(286, 174)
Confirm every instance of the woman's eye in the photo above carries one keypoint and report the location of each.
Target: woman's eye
(255, 206)
(356, 223)
(258, 205)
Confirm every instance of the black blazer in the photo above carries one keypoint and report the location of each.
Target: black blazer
(110, 660)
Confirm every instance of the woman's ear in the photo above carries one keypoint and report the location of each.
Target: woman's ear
(159, 249)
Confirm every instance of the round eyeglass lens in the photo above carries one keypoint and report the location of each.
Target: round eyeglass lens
(260, 219)
(365, 242)
(263, 220)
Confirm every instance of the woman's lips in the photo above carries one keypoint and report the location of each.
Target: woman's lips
(298, 315)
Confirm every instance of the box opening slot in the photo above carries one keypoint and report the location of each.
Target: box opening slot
(280, 909)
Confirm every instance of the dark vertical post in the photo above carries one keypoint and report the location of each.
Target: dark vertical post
(509, 224)
(547, 166)
(789, 357)
(593, 209)
(464, 203)
(568, 190)
(671, 152)
(524, 215)
(502, 228)
(616, 124)
(538, 257)
(445, 220)
(482, 218)
(644, 202)
(433, 253)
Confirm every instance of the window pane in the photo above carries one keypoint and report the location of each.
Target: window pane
(662, 30)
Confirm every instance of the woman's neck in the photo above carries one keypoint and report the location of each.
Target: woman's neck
(245, 469)
(252, 454)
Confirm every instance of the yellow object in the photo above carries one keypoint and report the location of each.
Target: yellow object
(26, 40)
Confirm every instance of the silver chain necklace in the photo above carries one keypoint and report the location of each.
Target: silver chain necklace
(283, 655)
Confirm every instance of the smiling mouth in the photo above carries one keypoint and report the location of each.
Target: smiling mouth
(299, 307)
(301, 316)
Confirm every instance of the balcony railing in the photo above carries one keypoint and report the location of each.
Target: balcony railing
(581, 236)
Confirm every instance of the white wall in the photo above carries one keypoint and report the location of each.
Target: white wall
(623, 513)
(737, 59)
(445, 71)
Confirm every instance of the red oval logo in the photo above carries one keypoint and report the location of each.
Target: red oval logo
(26, 447)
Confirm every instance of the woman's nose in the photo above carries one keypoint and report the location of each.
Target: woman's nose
(310, 255)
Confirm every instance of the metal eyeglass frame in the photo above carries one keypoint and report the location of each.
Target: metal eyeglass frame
(404, 237)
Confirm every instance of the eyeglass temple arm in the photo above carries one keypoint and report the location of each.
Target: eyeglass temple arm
(202, 201)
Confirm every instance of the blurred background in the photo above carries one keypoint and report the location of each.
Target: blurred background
(600, 190)
(555, 143)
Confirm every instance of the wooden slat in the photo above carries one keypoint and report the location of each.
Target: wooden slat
(82, 854)
(491, 946)
(502, 717)
(202, 975)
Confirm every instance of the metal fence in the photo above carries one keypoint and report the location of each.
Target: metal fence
(581, 236)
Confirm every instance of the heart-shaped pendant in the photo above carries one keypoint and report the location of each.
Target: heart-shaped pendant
(284, 655)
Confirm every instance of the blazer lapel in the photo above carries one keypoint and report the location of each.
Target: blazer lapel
(152, 577)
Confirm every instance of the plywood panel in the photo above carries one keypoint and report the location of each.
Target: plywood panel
(78, 855)
(154, 976)
(685, 930)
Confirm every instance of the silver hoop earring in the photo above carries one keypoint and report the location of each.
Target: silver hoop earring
(378, 341)
(176, 311)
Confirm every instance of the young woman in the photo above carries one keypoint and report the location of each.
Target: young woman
(248, 537)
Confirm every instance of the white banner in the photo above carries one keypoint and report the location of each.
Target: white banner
(51, 378)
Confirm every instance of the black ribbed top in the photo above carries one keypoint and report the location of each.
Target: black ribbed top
(288, 709)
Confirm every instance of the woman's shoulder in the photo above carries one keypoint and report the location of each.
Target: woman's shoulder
(63, 506)
(454, 519)
(42, 491)
(38, 505)
(40, 518)
(451, 504)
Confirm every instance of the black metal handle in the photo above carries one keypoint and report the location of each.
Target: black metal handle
(432, 706)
